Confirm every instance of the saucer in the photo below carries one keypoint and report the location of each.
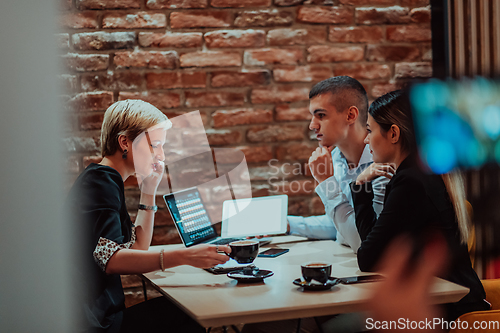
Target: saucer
(250, 275)
(316, 285)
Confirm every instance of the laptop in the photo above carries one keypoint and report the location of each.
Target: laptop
(241, 218)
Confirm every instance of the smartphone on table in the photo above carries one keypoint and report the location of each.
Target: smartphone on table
(361, 279)
(272, 253)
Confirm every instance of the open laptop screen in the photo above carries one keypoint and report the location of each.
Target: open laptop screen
(190, 217)
(254, 216)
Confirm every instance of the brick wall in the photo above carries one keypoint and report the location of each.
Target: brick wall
(247, 65)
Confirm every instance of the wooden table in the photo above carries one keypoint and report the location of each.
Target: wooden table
(216, 300)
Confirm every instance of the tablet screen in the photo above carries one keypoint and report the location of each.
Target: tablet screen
(254, 216)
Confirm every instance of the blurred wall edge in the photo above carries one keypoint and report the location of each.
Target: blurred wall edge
(34, 235)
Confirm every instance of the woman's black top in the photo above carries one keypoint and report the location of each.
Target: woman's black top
(414, 204)
(97, 199)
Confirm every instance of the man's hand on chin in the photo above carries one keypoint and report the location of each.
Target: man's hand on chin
(320, 163)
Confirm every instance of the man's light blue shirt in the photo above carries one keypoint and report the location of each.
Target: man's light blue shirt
(339, 222)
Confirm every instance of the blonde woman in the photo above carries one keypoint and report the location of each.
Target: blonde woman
(132, 138)
(415, 204)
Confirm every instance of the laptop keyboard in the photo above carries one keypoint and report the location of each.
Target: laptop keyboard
(224, 241)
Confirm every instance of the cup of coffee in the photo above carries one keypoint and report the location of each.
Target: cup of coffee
(244, 251)
(316, 270)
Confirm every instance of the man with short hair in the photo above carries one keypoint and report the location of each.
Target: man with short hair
(339, 106)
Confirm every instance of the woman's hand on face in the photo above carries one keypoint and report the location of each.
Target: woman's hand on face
(206, 255)
(150, 183)
(376, 170)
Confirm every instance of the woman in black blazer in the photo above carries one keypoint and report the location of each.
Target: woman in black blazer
(416, 203)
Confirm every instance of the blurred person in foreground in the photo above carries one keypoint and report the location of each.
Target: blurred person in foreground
(416, 203)
(338, 106)
(132, 138)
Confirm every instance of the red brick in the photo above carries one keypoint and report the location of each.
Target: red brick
(62, 41)
(214, 98)
(189, 121)
(257, 154)
(296, 188)
(146, 59)
(130, 281)
(223, 137)
(413, 70)
(414, 3)
(358, 34)
(113, 81)
(325, 53)
(252, 154)
(262, 57)
(86, 20)
(260, 190)
(227, 118)
(90, 121)
(176, 4)
(86, 62)
(264, 18)
(317, 206)
(410, 33)
(274, 171)
(380, 89)
(162, 216)
(367, 2)
(305, 2)
(107, 4)
(200, 19)
(390, 52)
(286, 113)
(65, 4)
(326, 15)
(295, 151)
(364, 71)
(297, 206)
(176, 80)
(91, 101)
(119, 20)
(421, 15)
(240, 79)
(273, 133)
(289, 36)
(162, 100)
(288, 2)
(302, 74)
(171, 39)
(81, 144)
(240, 3)
(68, 83)
(165, 235)
(281, 94)
(103, 40)
(387, 15)
(235, 38)
(427, 53)
(211, 59)
(135, 296)
(72, 165)
(87, 160)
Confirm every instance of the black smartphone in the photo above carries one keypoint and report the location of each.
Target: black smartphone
(273, 253)
(361, 279)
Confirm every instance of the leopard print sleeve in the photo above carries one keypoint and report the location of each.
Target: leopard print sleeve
(105, 249)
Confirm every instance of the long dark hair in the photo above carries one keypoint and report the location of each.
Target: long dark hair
(394, 109)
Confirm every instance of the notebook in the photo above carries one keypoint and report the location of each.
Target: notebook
(194, 226)
(241, 217)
